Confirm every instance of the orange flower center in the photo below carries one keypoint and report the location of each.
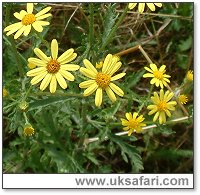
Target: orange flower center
(162, 105)
(158, 75)
(53, 66)
(103, 80)
(28, 19)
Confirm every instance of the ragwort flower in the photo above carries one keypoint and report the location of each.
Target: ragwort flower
(28, 20)
(141, 6)
(133, 123)
(29, 130)
(52, 69)
(102, 80)
(159, 78)
(183, 99)
(162, 105)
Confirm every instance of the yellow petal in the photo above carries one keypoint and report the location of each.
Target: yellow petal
(45, 82)
(129, 116)
(86, 84)
(148, 75)
(70, 67)
(67, 75)
(37, 27)
(114, 69)
(168, 113)
(118, 76)
(43, 16)
(156, 116)
(135, 115)
(126, 128)
(141, 7)
(41, 55)
(30, 8)
(148, 69)
(110, 94)
(154, 80)
(131, 5)
(53, 84)
(152, 111)
(151, 6)
(22, 13)
(158, 4)
(162, 68)
(88, 73)
(65, 55)
(90, 89)
(36, 62)
(19, 32)
(61, 80)
(14, 29)
(36, 71)
(38, 78)
(89, 66)
(116, 89)
(42, 12)
(153, 67)
(69, 59)
(15, 25)
(41, 23)
(161, 94)
(54, 49)
(27, 30)
(18, 16)
(107, 63)
(98, 97)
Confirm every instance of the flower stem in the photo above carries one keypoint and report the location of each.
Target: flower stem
(145, 54)
(91, 25)
(42, 40)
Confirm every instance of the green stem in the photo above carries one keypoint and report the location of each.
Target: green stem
(26, 118)
(42, 40)
(111, 35)
(58, 94)
(27, 93)
(16, 54)
(91, 25)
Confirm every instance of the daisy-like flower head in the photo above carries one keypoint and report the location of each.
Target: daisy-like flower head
(52, 69)
(102, 80)
(159, 76)
(183, 99)
(141, 6)
(189, 75)
(162, 105)
(133, 123)
(29, 130)
(28, 20)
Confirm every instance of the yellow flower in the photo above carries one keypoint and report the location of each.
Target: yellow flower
(23, 106)
(133, 123)
(189, 75)
(5, 92)
(159, 78)
(162, 105)
(102, 80)
(52, 69)
(28, 19)
(183, 99)
(141, 6)
(29, 130)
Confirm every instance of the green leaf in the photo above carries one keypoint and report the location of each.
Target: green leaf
(48, 101)
(109, 21)
(185, 44)
(130, 151)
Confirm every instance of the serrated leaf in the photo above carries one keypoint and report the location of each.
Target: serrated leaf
(185, 44)
(109, 21)
(130, 151)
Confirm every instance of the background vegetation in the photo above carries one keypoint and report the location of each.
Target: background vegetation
(64, 121)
